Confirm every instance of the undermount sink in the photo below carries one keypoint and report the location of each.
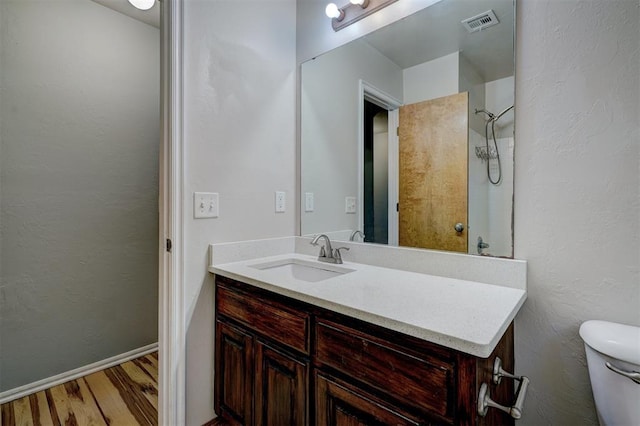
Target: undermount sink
(303, 270)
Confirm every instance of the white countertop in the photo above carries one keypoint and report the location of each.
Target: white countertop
(464, 315)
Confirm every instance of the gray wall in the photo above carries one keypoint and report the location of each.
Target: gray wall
(577, 176)
(79, 135)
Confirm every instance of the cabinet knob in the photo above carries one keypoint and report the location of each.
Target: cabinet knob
(459, 227)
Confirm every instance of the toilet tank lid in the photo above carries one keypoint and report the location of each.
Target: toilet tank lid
(618, 341)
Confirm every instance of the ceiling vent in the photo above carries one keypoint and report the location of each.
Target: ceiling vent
(481, 21)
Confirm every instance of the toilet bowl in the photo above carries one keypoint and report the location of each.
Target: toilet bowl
(610, 346)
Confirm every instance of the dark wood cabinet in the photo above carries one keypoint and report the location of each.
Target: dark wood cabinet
(341, 404)
(280, 361)
(280, 388)
(234, 373)
(261, 367)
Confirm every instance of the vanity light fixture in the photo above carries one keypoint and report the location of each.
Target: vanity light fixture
(143, 4)
(354, 11)
(334, 12)
(362, 3)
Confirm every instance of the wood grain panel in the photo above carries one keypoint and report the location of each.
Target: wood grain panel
(433, 157)
(234, 373)
(424, 383)
(341, 404)
(122, 395)
(270, 319)
(280, 388)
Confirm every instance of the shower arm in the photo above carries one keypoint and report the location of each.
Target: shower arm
(492, 116)
(497, 117)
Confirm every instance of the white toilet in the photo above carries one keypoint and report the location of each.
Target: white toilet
(617, 396)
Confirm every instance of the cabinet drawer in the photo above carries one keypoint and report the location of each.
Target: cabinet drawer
(341, 404)
(423, 382)
(283, 325)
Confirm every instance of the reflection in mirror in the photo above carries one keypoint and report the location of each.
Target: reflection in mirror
(407, 133)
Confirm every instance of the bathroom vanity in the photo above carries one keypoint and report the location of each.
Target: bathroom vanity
(351, 349)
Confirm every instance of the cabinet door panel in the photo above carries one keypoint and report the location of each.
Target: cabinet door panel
(340, 404)
(234, 371)
(281, 388)
(426, 383)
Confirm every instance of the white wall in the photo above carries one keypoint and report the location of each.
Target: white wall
(239, 135)
(432, 79)
(471, 81)
(478, 200)
(576, 186)
(329, 111)
(498, 97)
(577, 200)
(500, 201)
(79, 107)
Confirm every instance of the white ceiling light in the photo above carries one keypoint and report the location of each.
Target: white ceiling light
(334, 12)
(143, 4)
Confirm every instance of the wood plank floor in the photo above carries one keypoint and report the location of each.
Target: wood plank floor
(126, 394)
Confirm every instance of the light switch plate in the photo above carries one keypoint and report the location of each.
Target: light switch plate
(308, 201)
(205, 205)
(280, 201)
(350, 204)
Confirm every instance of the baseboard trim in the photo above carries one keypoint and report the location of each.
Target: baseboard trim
(28, 389)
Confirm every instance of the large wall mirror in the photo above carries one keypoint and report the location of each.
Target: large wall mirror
(408, 132)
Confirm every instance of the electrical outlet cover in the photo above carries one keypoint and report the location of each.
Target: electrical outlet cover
(205, 205)
(308, 202)
(280, 201)
(350, 205)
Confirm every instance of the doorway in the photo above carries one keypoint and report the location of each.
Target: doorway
(378, 165)
(78, 188)
(376, 174)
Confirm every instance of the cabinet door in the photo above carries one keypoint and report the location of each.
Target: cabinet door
(340, 404)
(234, 373)
(280, 388)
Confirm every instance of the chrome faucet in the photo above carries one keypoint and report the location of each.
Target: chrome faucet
(327, 253)
(355, 233)
(482, 245)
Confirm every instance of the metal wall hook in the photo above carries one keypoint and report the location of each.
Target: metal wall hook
(484, 396)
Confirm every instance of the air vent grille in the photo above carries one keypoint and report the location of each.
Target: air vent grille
(481, 21)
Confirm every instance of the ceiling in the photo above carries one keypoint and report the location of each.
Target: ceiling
(428, 34)
(436, 31)
(151, 16)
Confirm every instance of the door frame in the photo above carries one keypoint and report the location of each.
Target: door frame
(369, 92)
(171, 325)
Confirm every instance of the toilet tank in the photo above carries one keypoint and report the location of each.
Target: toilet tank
(617, 397)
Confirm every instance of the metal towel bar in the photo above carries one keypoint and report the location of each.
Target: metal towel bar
(484, 397)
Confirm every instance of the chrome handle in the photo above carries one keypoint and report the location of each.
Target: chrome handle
(459, 227)
(337, 255)
(499, 372)
(515, 411)
(633, 375)
(484, 397)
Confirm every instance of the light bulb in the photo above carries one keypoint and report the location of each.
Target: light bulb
(143, 4)
(332, 11)
(362, 3)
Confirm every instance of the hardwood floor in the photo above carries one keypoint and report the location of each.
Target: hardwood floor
(126, 394)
